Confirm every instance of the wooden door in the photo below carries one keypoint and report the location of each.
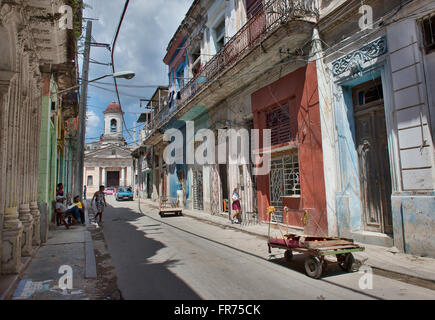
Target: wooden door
(113, 179)
(373, 157)
(149, 186)
(182, 184)
(163, 183)
(216, 194)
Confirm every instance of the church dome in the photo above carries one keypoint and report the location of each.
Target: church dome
(113, 108)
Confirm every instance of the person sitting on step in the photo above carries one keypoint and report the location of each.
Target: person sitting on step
(81, 207)
(63, 212)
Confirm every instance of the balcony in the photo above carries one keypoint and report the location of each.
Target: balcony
(296, 17)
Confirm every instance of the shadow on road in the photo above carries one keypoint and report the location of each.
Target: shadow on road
(132, 250)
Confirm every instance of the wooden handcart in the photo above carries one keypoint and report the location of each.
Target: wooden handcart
(316, 248)
(167, 207)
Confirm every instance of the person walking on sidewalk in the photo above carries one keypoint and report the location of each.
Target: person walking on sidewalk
(100, 202)
(84, 193)
(236, 206)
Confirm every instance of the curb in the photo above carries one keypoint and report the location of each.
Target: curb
(90, 263)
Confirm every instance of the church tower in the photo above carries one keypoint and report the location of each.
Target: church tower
(113, 125)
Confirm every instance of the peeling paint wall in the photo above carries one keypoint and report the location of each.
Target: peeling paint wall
(414, 224)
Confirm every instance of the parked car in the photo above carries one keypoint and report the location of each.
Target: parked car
(109, 190)
(124, 193)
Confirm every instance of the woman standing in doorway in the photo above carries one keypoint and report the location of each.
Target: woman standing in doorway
(237, 208)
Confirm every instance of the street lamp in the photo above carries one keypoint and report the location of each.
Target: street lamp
(118, 75)
(124, 74)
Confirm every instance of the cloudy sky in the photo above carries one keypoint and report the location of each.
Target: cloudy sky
(145, 33)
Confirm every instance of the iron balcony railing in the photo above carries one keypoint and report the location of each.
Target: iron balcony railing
(258, 27)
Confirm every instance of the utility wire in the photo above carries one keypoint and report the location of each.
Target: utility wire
(113, 60)
(115, 91)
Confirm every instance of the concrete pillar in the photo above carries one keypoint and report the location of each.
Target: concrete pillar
(24, 165)
(43, 158)
(34, 210)
(35, 119)
(104, 177)
(123, 177)
(12, 226)
(11, 242)
(13, 144)
(4, 116)
(27, 220)
(34, 123)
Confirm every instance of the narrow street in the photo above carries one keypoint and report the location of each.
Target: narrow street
(182, 258)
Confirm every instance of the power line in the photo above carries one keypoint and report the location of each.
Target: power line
(131, 85)
(113, 54)
(111, 90)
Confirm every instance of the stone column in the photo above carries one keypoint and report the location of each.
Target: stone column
(24, 138)
(104, 178)
(5, 78)
(12, 226)
(11, 241)
(34, 210)
(27, 220)
(122, 177)
(35, 153)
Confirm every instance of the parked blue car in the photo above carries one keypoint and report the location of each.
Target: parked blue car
(124, 193)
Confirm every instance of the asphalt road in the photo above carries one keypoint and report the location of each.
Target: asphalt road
(182, 258)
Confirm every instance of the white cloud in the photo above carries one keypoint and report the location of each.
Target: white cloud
(92, 125)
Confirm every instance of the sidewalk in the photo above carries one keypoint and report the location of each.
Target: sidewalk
(70, 249)
(382, 258)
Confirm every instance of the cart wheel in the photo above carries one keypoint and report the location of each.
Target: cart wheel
(313, 267)
(340, 259)
(346, 261)
(349, 262)
(288, 255)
